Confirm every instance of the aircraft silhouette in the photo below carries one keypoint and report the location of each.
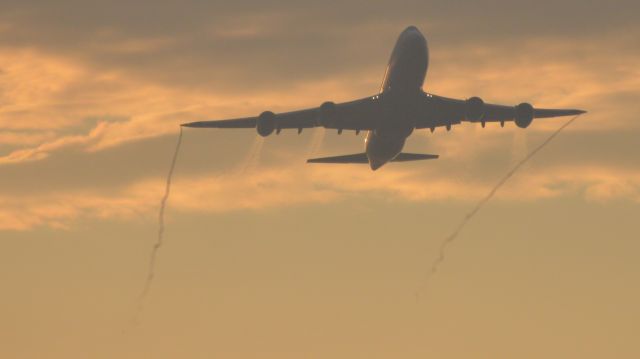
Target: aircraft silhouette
(392, 115)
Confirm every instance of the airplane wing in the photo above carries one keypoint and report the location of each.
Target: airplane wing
(354, 115)
(439, 111)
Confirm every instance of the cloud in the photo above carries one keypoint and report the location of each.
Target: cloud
(265, 188)
(44, 150)
(56, 93)
(149, 110)
(79, 89)
(25, 138)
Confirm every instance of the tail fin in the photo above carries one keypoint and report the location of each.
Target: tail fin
(362, 158)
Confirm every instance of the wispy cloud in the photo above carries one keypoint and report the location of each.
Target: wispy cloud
(41, 91)
(65, 101)
(293, 186)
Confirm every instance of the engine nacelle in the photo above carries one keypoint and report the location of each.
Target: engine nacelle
(474, 109)
(328, 115)
(524, 115)
(266, 123)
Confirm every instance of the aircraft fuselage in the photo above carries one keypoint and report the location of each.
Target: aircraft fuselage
(401, 88)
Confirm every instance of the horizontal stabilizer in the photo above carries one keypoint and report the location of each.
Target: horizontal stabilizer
(362, 158)
(357, 158)
(404, 157)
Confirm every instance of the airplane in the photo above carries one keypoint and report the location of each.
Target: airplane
(391, 116)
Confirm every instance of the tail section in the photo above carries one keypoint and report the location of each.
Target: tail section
(404, 157)
(357, 158)
(362, 158)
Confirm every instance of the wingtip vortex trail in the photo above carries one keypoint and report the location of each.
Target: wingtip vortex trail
(160, 238)
(252, 158)
(435, 266)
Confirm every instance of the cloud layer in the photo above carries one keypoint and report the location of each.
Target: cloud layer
(119, 85)
(263, 188)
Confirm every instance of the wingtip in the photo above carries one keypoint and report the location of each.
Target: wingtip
(574, 112)
(197, 124)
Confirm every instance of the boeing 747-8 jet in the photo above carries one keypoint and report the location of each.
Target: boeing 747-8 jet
(394, 113)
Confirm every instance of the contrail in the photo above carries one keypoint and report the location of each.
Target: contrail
(316, 141)
(252, 158)
(447, 241)
(159, 241)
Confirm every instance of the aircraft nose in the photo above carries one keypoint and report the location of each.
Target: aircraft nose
(412, 35)
(411, 29)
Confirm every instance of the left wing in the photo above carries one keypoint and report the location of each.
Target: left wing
(354, 115)
(437, 111)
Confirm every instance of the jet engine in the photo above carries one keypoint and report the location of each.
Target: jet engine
(474, 109)
(266, 123)
(524, 115)
(328, 115)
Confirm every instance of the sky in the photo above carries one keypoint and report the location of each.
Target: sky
(266, 256)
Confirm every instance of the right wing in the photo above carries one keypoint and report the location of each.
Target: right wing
(354, 115)
(439, 111)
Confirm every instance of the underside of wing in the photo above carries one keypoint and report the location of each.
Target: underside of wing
(439, 111)
(355, 115)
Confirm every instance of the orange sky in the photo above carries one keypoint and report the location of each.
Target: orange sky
(266, 256)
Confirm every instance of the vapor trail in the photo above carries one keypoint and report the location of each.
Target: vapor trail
(252, 158)
(316, 141)
(159, 241)
(447, 241)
